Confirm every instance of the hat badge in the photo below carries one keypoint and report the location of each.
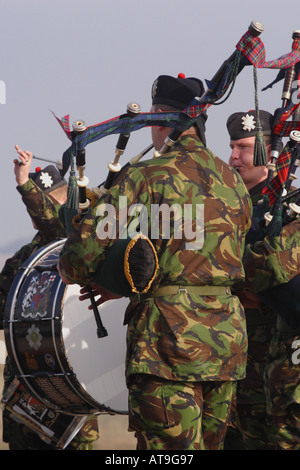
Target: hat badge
(46, 179)
(154, 87)
(248, 123)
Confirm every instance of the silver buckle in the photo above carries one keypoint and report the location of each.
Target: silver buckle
(182, 290)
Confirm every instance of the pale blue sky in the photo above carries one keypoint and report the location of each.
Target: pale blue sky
(90, 59)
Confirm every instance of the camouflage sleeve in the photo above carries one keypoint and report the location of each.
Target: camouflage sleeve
(273, 261)
(43, 209)
(85, 248)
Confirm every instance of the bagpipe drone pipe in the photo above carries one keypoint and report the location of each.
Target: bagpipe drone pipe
(269, 219)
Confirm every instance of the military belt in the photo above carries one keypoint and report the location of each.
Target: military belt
(173, 290)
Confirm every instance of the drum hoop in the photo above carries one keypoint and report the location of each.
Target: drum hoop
(71, 431)
(61, 441)
(26, 269)
(68, 376)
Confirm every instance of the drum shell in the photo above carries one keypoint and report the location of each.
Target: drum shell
(55, 428)
(33, 327)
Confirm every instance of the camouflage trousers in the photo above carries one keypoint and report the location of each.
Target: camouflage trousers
(282, 379)
(170, 415)
(251, 428)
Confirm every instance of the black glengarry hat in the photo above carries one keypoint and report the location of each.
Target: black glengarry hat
(243, 124)
(177, 92)
(47, 179)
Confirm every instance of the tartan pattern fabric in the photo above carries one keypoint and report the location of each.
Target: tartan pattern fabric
(283, 114)
(283, 163)
(182, 120)
(64, 123)
(281, 126)
(125, 125)
(285, 128)
(195, 108)
(272, 190)
(254, 49)
(282, 168)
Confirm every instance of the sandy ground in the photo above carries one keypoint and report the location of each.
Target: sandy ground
(113, 429)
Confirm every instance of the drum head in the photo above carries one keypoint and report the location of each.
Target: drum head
(99, 363)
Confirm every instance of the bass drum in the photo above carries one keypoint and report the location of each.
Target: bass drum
(51, 339)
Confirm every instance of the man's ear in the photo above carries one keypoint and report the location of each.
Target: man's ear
(160, 111)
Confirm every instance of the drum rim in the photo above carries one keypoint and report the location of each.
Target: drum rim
(71, 378)
(9, 308)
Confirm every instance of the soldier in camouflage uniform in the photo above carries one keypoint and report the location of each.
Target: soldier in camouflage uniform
(268, 264)
(252, 430)
(43, 207)
(261, 405)
(186, 339)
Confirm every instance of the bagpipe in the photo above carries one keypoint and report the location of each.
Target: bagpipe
(137, 255)
(280, 202)
(248, 51)
(284, 160)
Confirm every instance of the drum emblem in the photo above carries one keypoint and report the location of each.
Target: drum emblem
(34, 337)
(36, 298)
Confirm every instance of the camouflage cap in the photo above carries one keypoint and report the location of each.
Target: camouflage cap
(176, 92)
(47, 179)
(243, 124)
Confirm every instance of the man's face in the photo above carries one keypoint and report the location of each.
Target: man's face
(241, 160)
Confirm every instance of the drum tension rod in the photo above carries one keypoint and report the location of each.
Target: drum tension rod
(101, 330)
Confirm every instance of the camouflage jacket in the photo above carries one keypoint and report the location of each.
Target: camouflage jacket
(273, 261)
(260, 318)
(178, 337)
(44, 211)
(269, 265)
